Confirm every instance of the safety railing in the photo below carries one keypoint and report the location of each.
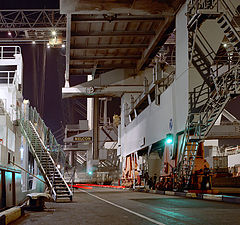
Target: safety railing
(48, 138)
(9, 52)
(7, 77)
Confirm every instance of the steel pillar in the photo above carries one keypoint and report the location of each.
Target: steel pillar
(95, 128)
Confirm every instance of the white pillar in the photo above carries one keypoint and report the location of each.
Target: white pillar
(90, 108)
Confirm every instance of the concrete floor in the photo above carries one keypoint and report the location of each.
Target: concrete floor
(101, 206)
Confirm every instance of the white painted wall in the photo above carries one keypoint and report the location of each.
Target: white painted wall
(233, 160)
(153, 123)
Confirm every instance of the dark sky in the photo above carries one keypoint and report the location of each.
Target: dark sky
(29, 4)
(43, 70)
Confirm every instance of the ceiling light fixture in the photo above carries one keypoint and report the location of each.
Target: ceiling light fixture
(54, 33)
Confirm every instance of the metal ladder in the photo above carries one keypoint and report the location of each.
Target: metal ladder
(46, 164)
(201, 63)
(230, 32)
(204, 111)
(199, 124)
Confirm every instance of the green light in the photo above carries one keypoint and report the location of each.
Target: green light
(169, 139)
(90, 173)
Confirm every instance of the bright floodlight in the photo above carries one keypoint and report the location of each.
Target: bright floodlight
(33, 42)
(54, 33)
(58, 166)
(63, 45)
(224, 45)
(169, 141)
(9, 33)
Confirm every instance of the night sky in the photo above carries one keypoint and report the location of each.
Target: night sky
(29, 4)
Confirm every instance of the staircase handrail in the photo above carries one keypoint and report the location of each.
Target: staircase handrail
(51, 158)
(33, 151)
(226, 7)
(53, 144)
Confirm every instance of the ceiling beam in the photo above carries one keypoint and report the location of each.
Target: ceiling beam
(100, 18)
(139, 7)
(112, 34)
(103, 58)
(154, 42)
(110, 66)
(110, 46)
(47, 29)
(24, 40)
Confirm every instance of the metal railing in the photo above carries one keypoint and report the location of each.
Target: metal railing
(44, 147)
(9, 52)
(7, 77)
(49, 140)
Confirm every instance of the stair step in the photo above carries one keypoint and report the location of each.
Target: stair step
(59, 181)
(227, 30)
(224, 25)
(234, 39)
(62, 192)
(63, 196)
(220, 20)
(231, 34)
(59, 185)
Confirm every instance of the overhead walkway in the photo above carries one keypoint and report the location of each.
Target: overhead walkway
(46, 152)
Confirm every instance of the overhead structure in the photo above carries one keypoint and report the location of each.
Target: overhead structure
(31, 24)
(107, 35)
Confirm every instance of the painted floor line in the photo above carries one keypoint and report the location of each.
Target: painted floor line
(128, 210)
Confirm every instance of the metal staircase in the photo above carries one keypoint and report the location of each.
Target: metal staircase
(44, 147)
(230, 32)
(208, 100)
(201, 63)
(199, 123)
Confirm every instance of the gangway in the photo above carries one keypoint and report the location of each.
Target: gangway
(47, 153)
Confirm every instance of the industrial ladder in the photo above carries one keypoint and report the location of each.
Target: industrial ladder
(54, 180)
(209, 99)
(199, 123)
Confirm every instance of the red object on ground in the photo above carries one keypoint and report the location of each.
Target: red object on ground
(80, 186)
(87, 186)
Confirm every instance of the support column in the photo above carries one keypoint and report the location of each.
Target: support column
(105, 112)
(71, 158)
(90, 108)
(95, 128)
(3, 187)
(13, 189)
